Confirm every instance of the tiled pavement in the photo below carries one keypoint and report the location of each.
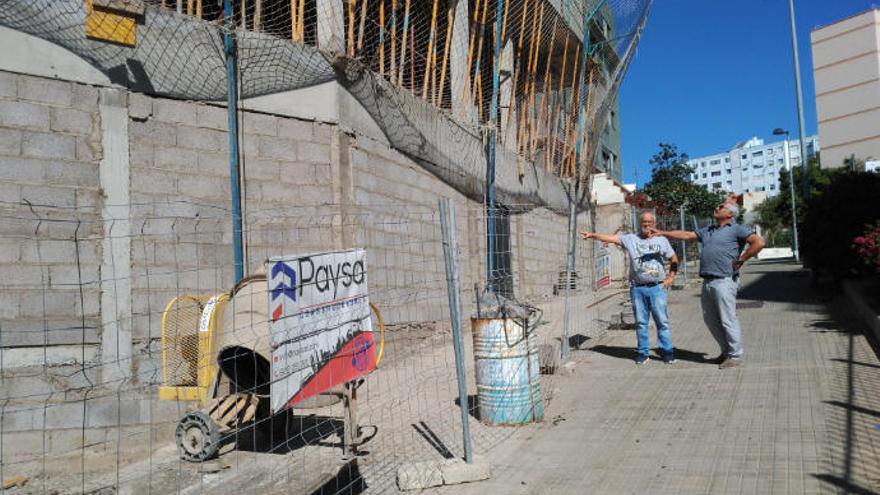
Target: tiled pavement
(802, 415)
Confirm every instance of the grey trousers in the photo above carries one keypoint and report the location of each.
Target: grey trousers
(718, 300)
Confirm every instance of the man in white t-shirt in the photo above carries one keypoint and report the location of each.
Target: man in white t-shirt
(648, 281)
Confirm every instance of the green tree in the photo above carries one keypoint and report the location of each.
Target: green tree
(670, 186)
(774, 214)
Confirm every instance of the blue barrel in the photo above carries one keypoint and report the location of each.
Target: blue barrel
(508, 391)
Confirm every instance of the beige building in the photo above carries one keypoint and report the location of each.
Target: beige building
(846, 69)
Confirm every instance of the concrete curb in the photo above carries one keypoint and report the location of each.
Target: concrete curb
(853, 291)
(421, 475)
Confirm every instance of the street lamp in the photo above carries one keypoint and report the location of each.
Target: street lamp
(800, 102)
(794, 233)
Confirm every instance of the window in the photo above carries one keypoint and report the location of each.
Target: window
(744, 156)
(716, 185)
(757, 154)
(730, 183)
(702, 164)
(704, 175)
(716, 173)
(727, 159)
(759, 165)
(770, 152)
(728, 171)
(780, 161)
(715, 162)
(759, 189)
(773, 188)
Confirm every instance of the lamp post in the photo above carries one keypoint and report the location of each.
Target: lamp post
(800, 102)
(794, 233)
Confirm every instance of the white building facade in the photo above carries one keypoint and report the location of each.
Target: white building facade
(751, 166)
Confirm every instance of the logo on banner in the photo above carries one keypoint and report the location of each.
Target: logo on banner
(283, 289)
(362, 352)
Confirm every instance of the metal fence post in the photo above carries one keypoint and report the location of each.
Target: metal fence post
(450, 255)
(229, 44)
(569, 270)
(684, 254)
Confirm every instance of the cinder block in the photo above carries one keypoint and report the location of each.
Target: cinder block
(72, 121)
(217, 164)
(299, 130)
(140, 155)
(10, 142)
(297, 174)
(60, 441)
(314, 152)
(419, 475)
(22, 114)
(152, 132)
(66, 415)
(322, 133)
(86, 198)
(212, 117)
(280, 149)
(173, 111)
(261, 168)
(7, 84)
(88, 150)
(153, 181)
(42, 90)
(40, 145)
(49, 250)
(55, 303)
(85, 97)
(69, 275)
(72, 174)
(201, 139)
(140, 106)
(176, 159)
(323, 174)
(255, 123)
(203, 187)
(457, 472)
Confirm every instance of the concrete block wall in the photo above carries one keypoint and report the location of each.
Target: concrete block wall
(49, 195)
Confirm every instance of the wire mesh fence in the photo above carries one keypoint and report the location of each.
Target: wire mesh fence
(131, 358)
(88, 416)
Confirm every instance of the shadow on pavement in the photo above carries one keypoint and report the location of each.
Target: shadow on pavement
(629, 353)
(764, 283)
(348, 481)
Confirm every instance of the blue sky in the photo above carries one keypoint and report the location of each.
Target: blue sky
(709, 73)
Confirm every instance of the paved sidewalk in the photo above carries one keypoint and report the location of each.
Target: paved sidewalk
(802, 415)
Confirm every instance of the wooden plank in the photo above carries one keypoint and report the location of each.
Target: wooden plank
(113, 28)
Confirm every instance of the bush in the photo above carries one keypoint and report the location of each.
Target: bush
(868, 247)
(835, 215)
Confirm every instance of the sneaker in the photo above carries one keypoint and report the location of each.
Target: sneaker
(669, 359)
(641, 359)
(730, 362)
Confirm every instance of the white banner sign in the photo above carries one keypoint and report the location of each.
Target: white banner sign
(320, 327)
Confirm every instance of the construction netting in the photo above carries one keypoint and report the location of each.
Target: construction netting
(433, 74)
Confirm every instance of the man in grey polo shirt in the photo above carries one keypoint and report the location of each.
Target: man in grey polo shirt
(720, 261)
(648, 282)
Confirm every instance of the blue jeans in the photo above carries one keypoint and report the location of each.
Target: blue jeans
(654, 301)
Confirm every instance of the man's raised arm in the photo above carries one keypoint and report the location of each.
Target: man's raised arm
(676, 235)
(610, 238)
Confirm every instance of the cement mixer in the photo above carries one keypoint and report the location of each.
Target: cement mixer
(241, 372)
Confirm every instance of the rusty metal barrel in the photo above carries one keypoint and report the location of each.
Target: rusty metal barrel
(508, 387)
